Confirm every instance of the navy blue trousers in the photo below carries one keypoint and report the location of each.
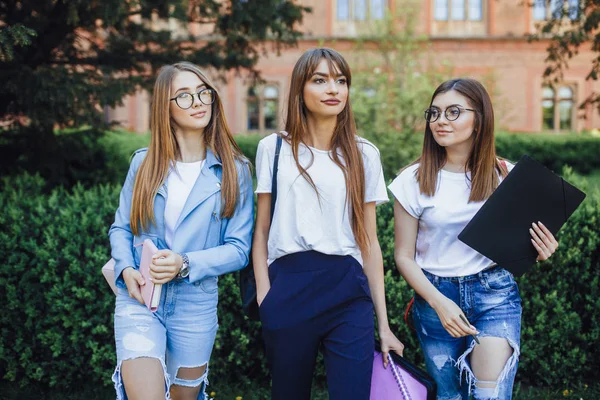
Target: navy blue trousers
(318, 301)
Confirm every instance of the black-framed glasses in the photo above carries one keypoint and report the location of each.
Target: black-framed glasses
(186, 100)
(451, 113)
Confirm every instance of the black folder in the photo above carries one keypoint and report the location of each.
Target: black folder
(530, 193)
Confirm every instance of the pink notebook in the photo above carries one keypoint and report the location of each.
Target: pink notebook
(150, 291)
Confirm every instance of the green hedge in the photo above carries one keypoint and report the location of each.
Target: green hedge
(578, 151)
(90, 158)
(56, 322)
(56, 314)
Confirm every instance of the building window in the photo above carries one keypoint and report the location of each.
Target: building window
(377, 9)
(263, 106)
(460, 10)
(360, 10)
(549, 9)
(343, 10)
(558, 107)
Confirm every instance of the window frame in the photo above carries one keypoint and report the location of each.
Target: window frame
(550, 9)
(351, 14)
(556, 100)
(262, 100)
(467, 7)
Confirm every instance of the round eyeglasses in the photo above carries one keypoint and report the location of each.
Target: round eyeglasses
(451, 113)
(186, 100)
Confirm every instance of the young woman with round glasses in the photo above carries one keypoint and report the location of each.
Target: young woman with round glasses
(459, 292)
(318, 264)
(190, 193)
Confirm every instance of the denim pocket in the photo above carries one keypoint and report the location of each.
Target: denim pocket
(499, 282)
(210, 285)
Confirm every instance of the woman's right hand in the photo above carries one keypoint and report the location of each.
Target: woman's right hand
(133, 279)
(261, 294)
(449, 314)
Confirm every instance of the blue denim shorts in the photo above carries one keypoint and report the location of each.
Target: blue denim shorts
(180, 334)
(491, 301)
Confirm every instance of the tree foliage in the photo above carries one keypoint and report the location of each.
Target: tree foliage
(62, 61)
(571, 25)
(394, 76)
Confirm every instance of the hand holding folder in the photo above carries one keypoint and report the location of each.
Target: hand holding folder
(530, 193)
(150, 291)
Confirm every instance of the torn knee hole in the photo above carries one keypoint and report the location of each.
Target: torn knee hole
(191, 374)
(485, 385)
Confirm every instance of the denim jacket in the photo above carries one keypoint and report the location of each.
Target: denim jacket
(213, 244)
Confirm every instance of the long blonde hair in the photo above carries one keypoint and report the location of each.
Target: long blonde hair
(164, 150)
(344, 136)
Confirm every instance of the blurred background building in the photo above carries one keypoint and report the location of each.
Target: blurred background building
(477, 38)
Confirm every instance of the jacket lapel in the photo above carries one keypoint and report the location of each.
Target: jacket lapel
(206, 185)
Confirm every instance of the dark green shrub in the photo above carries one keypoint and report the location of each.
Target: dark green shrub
(56, 325)
(88, 157)
(554, 151)
(249, 144)
(56, 320)
(561, 304)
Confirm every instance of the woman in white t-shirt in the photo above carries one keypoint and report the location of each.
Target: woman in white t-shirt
(190, 193)
(459, 292)
(318, 264)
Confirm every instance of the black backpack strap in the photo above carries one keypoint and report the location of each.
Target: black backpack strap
(274, 178)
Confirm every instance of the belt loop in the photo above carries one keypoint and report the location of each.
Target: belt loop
(481, 277)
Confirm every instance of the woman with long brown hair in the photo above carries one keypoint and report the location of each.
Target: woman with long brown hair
(459, 293)
(190, 193)
(317, 262)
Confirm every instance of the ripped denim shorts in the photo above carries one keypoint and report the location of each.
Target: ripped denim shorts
(181, 333)
(491, 301)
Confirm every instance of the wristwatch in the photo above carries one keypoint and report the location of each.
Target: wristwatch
(185, 267)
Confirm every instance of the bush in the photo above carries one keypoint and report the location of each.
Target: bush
(87, 157)
(57, 320)
(554, 151)
(561, 303)
(249, 144)
(57, 317)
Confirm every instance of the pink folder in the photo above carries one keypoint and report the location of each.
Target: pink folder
(396, 382)
(150, 291)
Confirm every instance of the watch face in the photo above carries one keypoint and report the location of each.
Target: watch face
(185, 271)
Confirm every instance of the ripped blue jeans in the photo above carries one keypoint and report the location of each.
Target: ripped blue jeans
(180, 334)
(492, 303)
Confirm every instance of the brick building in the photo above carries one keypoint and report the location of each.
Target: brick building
(477, 37)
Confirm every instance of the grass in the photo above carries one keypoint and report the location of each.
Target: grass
(11, 391)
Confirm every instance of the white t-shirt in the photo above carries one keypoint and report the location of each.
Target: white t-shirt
(180, 182)
(441, 218)
(300, 221)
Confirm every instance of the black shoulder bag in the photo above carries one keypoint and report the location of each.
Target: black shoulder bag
(247, 280)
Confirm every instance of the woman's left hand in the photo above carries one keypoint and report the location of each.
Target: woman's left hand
(543, 240)
(389, 342)
(165, 266)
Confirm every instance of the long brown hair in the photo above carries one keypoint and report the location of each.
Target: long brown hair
(344, 136)
(482, 162)
(164, 150)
